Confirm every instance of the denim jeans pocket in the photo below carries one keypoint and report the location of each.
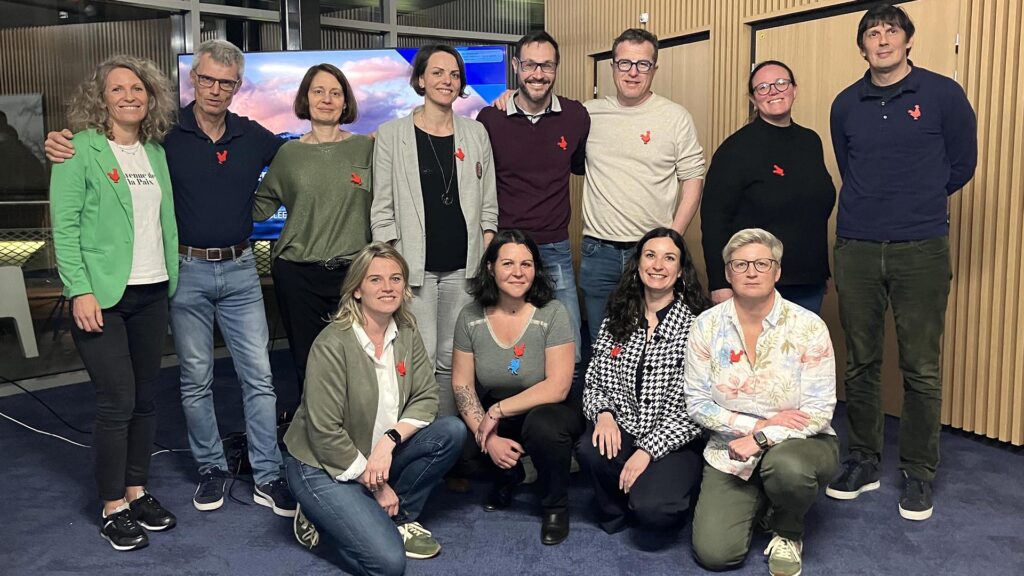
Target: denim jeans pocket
(589, 247)
(932, 246)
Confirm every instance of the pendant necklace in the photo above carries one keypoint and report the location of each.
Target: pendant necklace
(446, 196)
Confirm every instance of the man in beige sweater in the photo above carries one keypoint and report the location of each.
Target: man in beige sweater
(644, 169)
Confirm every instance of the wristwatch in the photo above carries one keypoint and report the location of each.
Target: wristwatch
(761, 439)
(394, 435)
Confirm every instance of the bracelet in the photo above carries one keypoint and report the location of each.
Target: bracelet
(500, 411)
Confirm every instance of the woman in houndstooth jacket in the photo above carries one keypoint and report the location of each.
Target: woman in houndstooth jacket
(644, 453)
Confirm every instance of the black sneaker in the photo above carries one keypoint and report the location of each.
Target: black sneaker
(276, 495)
(916, 500)
(123, 532)
(210, 492)
(148, 512)
(859, 475)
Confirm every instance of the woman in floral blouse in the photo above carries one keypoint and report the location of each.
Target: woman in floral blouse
(641, 448)
(760, 376)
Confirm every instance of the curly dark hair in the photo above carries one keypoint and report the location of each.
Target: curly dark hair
(484, 289)
(625, 310)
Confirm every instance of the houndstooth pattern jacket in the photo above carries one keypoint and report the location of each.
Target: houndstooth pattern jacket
(658, 419)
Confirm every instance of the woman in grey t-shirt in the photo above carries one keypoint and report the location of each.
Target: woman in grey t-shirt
(516, 341)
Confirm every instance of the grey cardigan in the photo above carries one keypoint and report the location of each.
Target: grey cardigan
(334, 423)
(397, 209)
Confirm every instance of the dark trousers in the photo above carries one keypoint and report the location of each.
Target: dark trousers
(307, 293)
(123, 362)
(913, 278)
(548, 434)
(661, 496)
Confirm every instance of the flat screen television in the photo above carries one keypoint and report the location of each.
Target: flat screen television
(379, 78)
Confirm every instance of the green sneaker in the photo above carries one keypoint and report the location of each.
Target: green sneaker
(304, 530)
(419, 543)
(784, 556)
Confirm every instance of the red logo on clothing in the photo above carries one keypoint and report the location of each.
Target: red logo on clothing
(518, 350)
(616, 350)
(777, 170)
(734, 357)
(356, 179)
(222, 157)
(114, 176)
(646, 137)
(562, 143)
(916, 112)
(460, 154)
(401, 368)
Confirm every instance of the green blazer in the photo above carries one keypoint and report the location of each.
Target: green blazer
(334, 423)
(93, 221)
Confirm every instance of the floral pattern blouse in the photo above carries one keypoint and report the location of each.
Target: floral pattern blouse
(794, 368)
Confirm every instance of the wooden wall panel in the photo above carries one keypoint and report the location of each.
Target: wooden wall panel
(983, 361)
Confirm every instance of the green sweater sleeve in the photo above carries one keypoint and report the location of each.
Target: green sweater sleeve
(325, 399)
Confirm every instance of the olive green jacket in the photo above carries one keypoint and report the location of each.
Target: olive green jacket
(94, 222)
(334, 423)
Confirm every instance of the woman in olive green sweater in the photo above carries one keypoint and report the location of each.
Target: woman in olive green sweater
(323, 181)
(365, 447)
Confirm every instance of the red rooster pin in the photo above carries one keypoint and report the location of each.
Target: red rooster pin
(562, 143)
(222, 157)
(356, 179)
(734, 357)
(777, 170)
(646, 137)
(114, 176)
(401, 368)
(916, 112)
(460, 154)
(616, 351)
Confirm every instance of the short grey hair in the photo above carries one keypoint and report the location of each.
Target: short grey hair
(752, 236)
(221, 52)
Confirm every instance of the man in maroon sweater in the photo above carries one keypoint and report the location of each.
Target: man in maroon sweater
(538, 139)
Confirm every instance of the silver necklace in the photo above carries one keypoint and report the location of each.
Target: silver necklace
(446, 196)
(130, 150)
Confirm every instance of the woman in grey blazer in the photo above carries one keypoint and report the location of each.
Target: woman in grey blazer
(434, 198)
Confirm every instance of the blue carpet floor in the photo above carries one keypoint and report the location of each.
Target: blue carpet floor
(50, 513)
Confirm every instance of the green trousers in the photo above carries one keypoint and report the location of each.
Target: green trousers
(913, 278)
(786, 481)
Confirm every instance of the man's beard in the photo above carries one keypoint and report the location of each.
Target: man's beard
(525, 93)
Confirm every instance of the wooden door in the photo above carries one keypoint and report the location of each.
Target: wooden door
(825, 59)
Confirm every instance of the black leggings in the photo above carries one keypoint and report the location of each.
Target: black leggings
(548, 433)
(123, 362)
(307, 293)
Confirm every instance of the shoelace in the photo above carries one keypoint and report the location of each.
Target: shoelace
(309, 534)
(782, 548)
(208, 484)
(413, 529)
(124, 521)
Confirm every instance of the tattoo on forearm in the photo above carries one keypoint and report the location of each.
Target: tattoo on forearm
(468, 404)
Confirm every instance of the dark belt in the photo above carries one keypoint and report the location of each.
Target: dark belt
(335, 263)
(214, 254)
(614, 243)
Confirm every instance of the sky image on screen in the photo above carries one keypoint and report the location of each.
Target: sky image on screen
(379, 78)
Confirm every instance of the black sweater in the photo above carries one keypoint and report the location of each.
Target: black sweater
(764, 176)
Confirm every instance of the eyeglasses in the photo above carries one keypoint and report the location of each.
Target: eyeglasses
(762, 265)
(642, 66)
(208, 82)
(781, 85)
(529, 66)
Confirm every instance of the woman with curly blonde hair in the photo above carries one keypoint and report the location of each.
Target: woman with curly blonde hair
(116, 242)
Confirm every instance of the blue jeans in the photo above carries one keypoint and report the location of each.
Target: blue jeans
(807, 296)
(600, 270)
(347, 515)
(229, 291)
(557, 257)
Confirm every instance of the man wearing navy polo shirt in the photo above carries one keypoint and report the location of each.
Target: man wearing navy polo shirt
(538, 140)
(905, 139)
(215, 159)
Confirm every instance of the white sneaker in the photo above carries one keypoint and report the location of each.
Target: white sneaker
(784, 556)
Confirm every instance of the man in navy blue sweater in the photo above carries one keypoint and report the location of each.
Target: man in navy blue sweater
(905, 139)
